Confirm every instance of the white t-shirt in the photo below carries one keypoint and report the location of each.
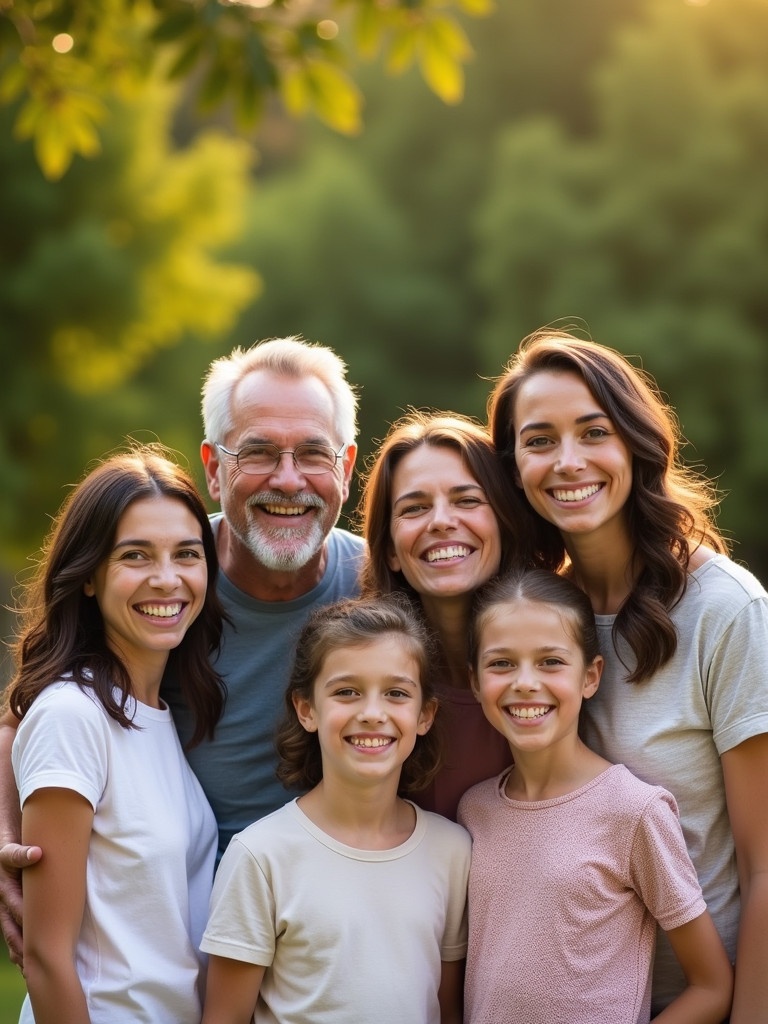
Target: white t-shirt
(151, 854)
(347, 935)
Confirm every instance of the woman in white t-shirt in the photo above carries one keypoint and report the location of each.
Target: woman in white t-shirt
(115, 908)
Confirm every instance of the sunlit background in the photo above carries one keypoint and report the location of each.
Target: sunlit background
(605, 170)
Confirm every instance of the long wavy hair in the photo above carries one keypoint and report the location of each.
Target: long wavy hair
(473, 444)
(354, 623)
(61, 630)
(670, 509)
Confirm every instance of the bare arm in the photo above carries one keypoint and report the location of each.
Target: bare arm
(54, 900)
(745, 769)
(708, 972)
(12, 856)
(231, 991)
(450, 995)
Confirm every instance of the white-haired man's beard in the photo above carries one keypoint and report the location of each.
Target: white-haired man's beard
(288, 548)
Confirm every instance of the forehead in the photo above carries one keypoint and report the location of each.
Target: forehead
(160, 515)
(554, 392)
(267, 405)
(381, 657)
(530, 624)
(429, 466)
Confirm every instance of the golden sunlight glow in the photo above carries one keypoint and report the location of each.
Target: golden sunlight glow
(327, 29)
(63, 42)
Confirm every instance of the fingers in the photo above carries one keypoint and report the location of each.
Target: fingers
(14, 856)
(12, 935)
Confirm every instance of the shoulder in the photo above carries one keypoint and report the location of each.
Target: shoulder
(345, 543)
(631, 794)
(67, 702)
(478, 797)
(719, 575)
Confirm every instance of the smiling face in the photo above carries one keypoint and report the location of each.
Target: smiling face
(367, 709)
(445, 536)
(282, 518)
(574, 467)
(151, 586)
(530, 675)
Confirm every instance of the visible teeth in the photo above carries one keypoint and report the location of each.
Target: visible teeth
(285, 510)
(369, 741)
(162, 611)
(577, 495)
(452, 551)
(527, 712)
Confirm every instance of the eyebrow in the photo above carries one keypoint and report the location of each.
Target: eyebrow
(318, 439)
(351, 678)
(459, 489)
(544, 425)
(139, 543)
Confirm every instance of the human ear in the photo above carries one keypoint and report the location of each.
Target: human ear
(592, 677)
(427, 717)
(392, 560)
(305, 712)
(88, 588)
(210, 458)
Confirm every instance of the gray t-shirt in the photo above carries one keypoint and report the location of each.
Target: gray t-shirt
(237, 768)
(672, 729)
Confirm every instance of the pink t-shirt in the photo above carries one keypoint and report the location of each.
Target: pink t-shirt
(564, 896)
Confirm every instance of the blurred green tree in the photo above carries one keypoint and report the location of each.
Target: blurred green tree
(66, 59)
(97, 272)
(651, 233)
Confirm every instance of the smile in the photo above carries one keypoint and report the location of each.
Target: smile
(160, 611)
(577, 494)
(370, 741)
(527, 711)
(285, 510)
(450, 551)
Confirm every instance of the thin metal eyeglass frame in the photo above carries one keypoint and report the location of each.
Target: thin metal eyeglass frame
(288, 451)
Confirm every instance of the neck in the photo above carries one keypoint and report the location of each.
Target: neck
(556, 771)
(606, 570)
(449, 618)
(366, 817)
(240, 567)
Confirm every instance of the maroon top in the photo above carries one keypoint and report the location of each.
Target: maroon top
(474, 751)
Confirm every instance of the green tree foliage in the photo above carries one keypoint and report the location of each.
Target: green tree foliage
(97, 272)
(652, 232)
(65, 60)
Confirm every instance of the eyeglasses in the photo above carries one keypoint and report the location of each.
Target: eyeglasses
(309, 459)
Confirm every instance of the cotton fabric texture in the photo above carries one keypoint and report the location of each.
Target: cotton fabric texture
(347, 935)
(562, 899)
(151, 856)
(672, 729)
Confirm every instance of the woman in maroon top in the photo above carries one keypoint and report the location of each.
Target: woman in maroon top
(435, 515)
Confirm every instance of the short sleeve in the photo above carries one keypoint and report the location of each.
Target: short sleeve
(62, 742)
(661, 869)
(241, 924)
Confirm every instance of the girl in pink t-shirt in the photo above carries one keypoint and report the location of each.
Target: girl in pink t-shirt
(574, 859)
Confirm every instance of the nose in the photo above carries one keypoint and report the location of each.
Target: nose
(165, 575)
(372, 710)
(285, 476)
(569, 457)
(443, 516)
(526, 679)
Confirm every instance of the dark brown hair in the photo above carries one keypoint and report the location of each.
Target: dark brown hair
(353, 623)
(440, 430)
(61, 629)
(670, 507)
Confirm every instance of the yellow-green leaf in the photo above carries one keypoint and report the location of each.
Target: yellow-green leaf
(477, 8)
(335, 98)
(295, 91)
(443, 74)
(446, 34)
(402, 51)
(367, 31)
